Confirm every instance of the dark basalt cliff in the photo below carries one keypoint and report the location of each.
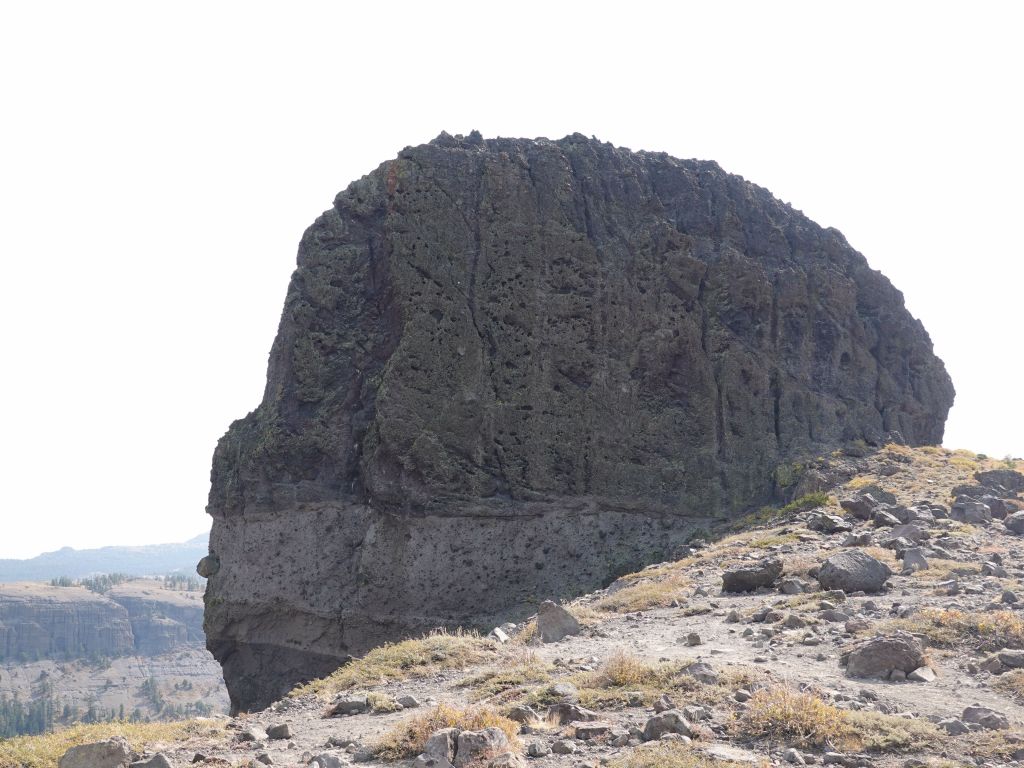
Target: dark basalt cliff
(509, 370)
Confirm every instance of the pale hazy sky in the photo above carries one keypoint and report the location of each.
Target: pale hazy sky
(159, 162)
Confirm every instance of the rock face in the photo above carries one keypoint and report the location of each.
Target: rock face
(38, 621)
(513, 369)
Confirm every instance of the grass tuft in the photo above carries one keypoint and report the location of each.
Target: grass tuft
(45, 750)
(671, 754)
(409, 737)
(803, 719)
(981, 630)
(408, 659)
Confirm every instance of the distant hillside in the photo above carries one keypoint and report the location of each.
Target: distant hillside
(148, 560)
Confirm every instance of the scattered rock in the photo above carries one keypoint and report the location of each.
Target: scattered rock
(279, 731)
(160, 760)
(474, 746)
(880, 655)
(748, 578)
(671, 721)
(563, 713)
(986, 718)
(349, 705)
(112, 753)
(554, 622)
(853, 571)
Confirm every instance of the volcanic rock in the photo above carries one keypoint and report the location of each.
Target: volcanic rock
(510, 368)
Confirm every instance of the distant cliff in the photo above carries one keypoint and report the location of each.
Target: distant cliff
(39, 621)
(146, 560)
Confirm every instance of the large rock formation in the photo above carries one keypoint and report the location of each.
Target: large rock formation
(509, 370)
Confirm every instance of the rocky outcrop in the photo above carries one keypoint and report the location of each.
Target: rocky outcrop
(509, 370)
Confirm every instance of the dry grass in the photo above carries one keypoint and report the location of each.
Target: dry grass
(646, 594)
(944, 570)
(516, 673)
(1011, 683)
(785, 716)
(981, 630)
(409, 737)
(45, 750)
(887, 733)
(406, 660)
(803, 719)
(861, 481)
(669, 755)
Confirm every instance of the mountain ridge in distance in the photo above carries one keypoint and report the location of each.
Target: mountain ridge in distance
(141, 560)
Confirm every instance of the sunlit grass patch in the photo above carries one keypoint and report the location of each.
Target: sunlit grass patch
(43, 751)
(982, 630)
(405, 660)
(645, 594)
(1011, 683)
(672, 754)
(514, 674)
(409, 737)
(783, 715)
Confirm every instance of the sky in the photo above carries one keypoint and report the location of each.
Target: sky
(160, 161)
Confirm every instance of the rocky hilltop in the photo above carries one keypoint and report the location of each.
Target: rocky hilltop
(508, 370)
(877, 622)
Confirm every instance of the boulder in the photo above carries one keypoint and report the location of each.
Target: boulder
(914, 560)
(986, 718)
(279, 731)
(554, 622)
(1015, 523)
(564, 712)
(442, 744)
(670, 721)
(508, 368)
(853, 570)
(112, 753)
(475, 746)
(970, 511)
(1008, 479)
(826, 523)
(747, 578)
(880, 655)
(159, 760)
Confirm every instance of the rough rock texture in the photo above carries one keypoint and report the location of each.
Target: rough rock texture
(510, 370)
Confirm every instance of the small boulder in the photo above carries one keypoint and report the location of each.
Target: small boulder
(475, 746)
(986, 718)
(442, 743)
(554, 622)
(1015, 522)
(507, 760)
(880, 655)
(564, 712)
(279, 731)
(748, 578)
(349, 705)
(966, 510)
(853, 571)
(112, 753)
(914, 560)
(671, 721)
